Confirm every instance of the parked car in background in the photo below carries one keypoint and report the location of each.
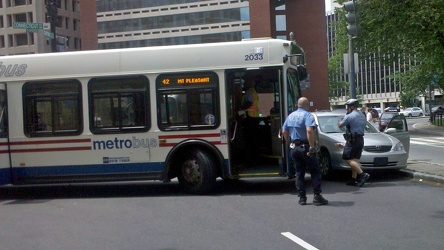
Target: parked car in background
(388, 150)
(384, 119)
(379, 111)
(389, 109)
(415, 111)
(437, 109)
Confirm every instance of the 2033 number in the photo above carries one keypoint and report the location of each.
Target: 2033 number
(254, 57)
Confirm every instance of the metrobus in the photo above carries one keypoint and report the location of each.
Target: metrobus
(155, 113)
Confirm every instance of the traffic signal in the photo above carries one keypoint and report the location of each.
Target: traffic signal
(352, 18)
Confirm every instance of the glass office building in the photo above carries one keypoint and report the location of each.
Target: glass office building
(128, 24)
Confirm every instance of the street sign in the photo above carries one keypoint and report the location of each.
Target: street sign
(30, 27)
(48, 34)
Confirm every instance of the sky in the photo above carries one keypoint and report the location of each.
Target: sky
(327, 5)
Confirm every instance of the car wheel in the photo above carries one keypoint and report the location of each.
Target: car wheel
(420, 114)
(410, 115)
(325, 164)
(197, 172)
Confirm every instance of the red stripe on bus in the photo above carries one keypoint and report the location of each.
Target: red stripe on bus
(50, 142)
(175, 143)
(49, 149)
(187, 136)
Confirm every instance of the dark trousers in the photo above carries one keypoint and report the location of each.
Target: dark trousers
(301, 162)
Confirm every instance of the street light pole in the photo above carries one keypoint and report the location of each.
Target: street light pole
(353, 28)
(51, 8)
(351, 55)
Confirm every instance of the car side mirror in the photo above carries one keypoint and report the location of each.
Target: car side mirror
(390, 131)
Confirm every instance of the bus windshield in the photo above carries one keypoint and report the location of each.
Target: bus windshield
(294, 90)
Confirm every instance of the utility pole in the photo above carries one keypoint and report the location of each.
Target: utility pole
(51, 8)
(353, 28)
(351, 59)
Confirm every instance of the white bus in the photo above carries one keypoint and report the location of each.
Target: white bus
(153, 113)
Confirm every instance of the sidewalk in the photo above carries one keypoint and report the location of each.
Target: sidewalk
(423, 170)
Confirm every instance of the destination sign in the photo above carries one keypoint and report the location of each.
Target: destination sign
(187, 80)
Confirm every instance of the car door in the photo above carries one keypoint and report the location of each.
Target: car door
(398, 128)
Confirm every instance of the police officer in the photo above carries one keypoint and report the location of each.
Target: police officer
(354, 121)
(299, 133)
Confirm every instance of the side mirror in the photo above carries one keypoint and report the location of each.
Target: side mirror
(390, 131)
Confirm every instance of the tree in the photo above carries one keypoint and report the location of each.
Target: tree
(404, 30)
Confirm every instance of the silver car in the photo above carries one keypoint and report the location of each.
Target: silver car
(382, 150)
(415, 111)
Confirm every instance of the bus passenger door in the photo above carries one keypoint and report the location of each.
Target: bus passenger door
(255, 148)
(5, 167)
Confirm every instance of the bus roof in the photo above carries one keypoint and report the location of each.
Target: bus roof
(177, 58)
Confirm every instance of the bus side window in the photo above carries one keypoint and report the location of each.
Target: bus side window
(187, 101)
(52, 108)
(119, 104)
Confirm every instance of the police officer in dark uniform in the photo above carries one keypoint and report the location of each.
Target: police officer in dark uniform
(299, 133)
(355, 122)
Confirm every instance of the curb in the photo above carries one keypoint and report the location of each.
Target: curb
(419, 128)
(423, 176)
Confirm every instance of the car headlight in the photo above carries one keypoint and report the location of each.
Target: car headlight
(398, 147)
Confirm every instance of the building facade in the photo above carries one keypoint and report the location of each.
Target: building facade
(15, 40)
(124, 24)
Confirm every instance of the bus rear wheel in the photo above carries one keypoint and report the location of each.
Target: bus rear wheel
(197, 172)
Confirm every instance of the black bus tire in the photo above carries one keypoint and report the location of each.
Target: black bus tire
(196, 173)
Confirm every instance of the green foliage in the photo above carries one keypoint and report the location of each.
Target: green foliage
(335, 62)
(403, 30)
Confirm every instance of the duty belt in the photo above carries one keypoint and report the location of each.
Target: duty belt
(299, 142)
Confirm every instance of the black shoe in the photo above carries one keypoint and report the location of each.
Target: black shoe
(319, 200)
(303, 200)
(362, 179)
(291, 177)
(352, 182)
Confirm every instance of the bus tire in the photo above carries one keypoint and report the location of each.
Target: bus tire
(196, 172)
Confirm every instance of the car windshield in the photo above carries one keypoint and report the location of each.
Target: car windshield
(329, 124)
(387, 116)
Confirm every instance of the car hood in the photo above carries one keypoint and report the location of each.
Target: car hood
(369, 139)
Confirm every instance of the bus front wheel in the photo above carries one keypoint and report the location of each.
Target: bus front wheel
(196, 172)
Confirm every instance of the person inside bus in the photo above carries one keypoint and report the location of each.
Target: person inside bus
(97, 120)
(249, 111)
(41, 125)
(250, 100)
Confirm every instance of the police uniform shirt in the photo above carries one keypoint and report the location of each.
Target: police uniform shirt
(356, 121)
(297, 122)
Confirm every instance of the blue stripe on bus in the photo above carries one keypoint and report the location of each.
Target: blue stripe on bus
(88, 169)
(5, 176)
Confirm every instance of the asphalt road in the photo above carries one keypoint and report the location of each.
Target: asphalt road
(391, 212)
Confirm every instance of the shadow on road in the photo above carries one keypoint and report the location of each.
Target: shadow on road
(253, 187)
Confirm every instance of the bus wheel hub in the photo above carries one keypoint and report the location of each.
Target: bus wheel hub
(191, 171)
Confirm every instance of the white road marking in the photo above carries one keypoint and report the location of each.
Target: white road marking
(299, 241)
(437, 142)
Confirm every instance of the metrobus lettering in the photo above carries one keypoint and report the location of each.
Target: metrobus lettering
(124, 143)
(11, 70)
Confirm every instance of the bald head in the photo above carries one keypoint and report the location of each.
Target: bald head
(303, 103)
